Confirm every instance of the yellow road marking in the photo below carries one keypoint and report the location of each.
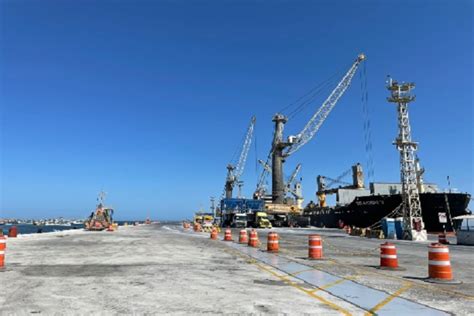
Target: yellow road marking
(298, 272)
(389, 298)
(285, 279)
(326, 286)
(308, 292)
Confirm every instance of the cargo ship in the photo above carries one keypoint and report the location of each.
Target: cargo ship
(368, 208)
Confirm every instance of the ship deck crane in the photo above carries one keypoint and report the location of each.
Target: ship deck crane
(325, 188)
(283, 149)
(234, 172)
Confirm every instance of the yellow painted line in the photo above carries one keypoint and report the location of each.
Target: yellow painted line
(327, 286)
(308, 292)
(295, 285)
(298, 272)
(388, 299)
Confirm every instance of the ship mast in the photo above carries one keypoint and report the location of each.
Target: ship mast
(411, 206)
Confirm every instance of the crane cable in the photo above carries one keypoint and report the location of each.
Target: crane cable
(367, 123)
(299, 104)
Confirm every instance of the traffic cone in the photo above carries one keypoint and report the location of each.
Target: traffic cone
(228, 235)
(272, 242)
(315, 247)
(388, 256)
(214, 233)
(253, 240)
(243, 239)
(3, 246)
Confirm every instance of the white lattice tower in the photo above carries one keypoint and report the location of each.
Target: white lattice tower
(411, 206)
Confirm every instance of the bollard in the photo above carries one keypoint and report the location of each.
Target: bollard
(315, 247)
(12, 232)
(214, 233)
(442, 239)
(388, 256)
(228, 235)
(3, 246)
(243, 239)
(439, 264)
(253, 240)
(272, 242)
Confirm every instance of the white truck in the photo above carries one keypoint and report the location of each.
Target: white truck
(465, 229)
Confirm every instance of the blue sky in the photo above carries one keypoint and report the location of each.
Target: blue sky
(148, 100)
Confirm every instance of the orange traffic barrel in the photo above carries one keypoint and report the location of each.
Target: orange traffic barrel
(214, 233)
(439, 264)
(253, 240)
(12, 232)
(228, 235)
(388, 256)
(442, 239)
(272, 242)
(315, 247)
(243, 239)
(197, 227)
(3, 246)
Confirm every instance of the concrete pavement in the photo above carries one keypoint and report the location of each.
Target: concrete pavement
(146, 269)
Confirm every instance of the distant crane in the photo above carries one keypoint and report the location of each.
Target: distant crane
(291, 187)
(283, 149)
(234, 172)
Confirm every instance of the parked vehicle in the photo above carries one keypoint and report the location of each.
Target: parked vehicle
(464, 229)
(258, 220)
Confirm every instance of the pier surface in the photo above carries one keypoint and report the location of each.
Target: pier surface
(162, 269)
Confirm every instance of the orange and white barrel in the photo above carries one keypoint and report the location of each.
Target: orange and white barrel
(439, 264)
(3, 246)
(315, 247)
(442, 239)
(214, 233)
(272, 242)
(243, 238)
(388, 256)
(253, 240)
(228, 235)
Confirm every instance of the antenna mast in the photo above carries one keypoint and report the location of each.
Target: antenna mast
(411, 206)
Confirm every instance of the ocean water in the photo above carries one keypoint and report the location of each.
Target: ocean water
(33, 229)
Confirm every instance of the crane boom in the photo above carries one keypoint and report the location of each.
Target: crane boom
(294, 174)
(235, 172)
(282, 149)
(320, 116)
(239, 169)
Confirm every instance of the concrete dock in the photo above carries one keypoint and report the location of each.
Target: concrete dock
(163, 269)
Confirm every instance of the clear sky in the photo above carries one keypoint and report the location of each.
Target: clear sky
(148, 100)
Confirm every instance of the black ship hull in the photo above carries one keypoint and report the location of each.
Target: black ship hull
(366, 211)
